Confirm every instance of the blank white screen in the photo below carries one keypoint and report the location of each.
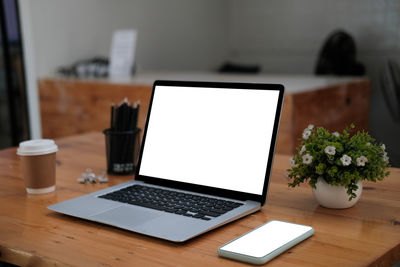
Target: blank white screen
(266, 238)
(210, 136)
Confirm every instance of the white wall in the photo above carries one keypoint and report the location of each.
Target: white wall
(285, 36)
(174, 34)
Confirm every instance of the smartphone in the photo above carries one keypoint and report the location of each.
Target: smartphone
(265, 242)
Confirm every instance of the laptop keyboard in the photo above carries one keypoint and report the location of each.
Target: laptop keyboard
(184, 204)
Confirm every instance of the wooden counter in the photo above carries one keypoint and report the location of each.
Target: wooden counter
(76, 106)
(32, 235)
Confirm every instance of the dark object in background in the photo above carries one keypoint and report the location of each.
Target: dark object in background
(390, 85)
(14, 117)
(96, 67)
(338, 56)
(238, 68)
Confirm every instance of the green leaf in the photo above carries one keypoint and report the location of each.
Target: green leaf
(330, 166)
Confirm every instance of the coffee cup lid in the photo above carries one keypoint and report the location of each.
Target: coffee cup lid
(37, 147)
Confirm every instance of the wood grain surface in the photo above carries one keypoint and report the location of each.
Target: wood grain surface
(70, 106)
(31, 235)
(334, 107)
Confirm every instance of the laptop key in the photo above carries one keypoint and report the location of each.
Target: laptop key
(225, 207)
(170, 210)
(194, 210)
(233, 204)
(180, 212)
(218, 211)
(212, 214)
(151, 206)
(185, 204)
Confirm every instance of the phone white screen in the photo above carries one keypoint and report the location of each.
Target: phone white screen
(266, 238)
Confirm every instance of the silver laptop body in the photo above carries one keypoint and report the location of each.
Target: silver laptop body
(203, 138)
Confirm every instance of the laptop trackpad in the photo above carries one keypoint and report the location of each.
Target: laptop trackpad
(126, 216)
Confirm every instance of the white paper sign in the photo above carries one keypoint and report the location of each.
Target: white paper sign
(122, 56)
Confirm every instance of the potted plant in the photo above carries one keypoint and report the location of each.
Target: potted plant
(334, 165)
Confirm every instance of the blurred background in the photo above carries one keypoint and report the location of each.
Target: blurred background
(279, 36)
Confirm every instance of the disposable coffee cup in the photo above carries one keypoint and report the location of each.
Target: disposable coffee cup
(38, 161)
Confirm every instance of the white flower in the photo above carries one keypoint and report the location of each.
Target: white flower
(330, 150)
(306, 133)
(336, 134)
(310, 127)
(292, 162)
(368, 143)
(303, 149)
(383, 147)
(307, 159)
(346, 160)
(385, 158)
(361, 161)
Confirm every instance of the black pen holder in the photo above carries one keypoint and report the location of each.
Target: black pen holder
(122, 150)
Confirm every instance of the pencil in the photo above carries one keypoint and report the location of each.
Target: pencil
(112, 117)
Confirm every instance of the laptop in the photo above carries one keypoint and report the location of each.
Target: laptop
(205, 161)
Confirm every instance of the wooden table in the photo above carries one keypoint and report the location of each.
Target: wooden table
(84, 105)
(31, 235)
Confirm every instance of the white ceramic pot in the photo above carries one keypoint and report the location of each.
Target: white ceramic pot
(334, 196)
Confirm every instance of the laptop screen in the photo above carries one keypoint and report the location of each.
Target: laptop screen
(211, 136)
